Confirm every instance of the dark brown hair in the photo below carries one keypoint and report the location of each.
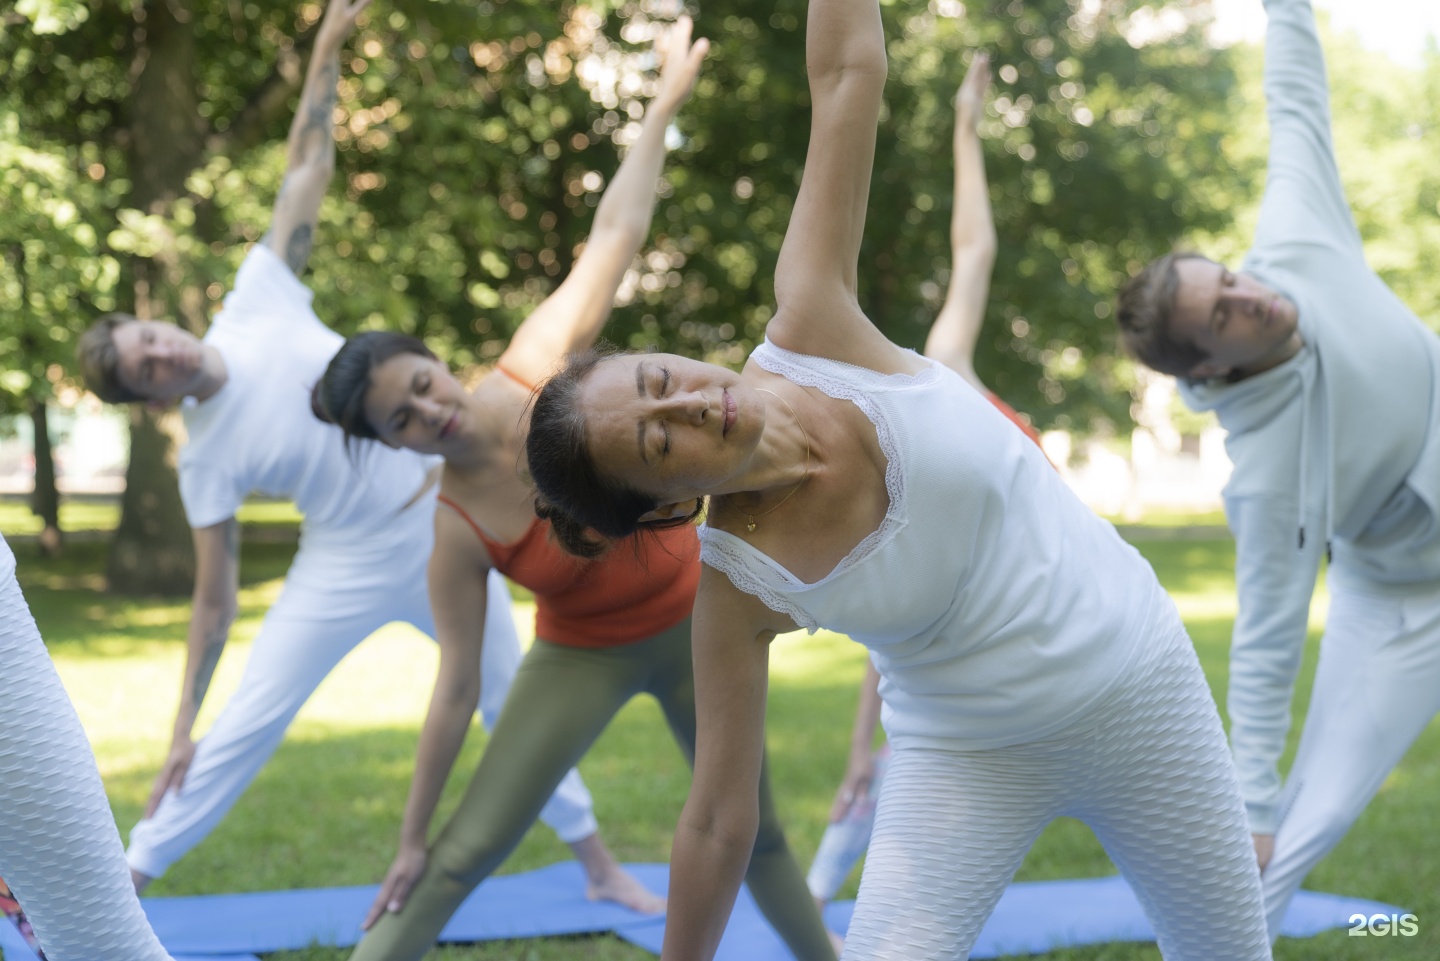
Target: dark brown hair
(339, 397)
(99, 360)
(586, 510)
(1144, 309)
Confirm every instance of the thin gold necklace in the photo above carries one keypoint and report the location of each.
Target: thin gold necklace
(749, 517)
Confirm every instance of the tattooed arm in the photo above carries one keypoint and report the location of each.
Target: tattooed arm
(217, 582)
(311, 155)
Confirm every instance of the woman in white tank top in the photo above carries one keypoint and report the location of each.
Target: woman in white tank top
(1031, 665)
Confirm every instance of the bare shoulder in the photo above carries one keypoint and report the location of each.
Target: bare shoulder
(719, 603)
(858, 343)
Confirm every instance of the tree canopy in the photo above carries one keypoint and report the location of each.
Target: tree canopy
(141, 147)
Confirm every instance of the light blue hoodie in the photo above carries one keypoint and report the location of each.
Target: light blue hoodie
(1336, 449)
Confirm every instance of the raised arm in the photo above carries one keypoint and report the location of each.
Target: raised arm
(570, 319)
(956, 330)
(310, 160)
(458, 598)
(1304, 200)
(212, 611)
(817, 310)
(1274, 582)
(717, 828)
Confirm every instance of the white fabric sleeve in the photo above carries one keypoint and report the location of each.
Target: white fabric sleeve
(263, 284)
(209, 495)
(1274, 580)
(1304, 200)
(59, 850)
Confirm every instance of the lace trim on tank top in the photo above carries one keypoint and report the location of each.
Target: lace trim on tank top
(748, 571)
(755, 572)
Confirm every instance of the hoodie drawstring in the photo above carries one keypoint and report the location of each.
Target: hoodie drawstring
(1307, 389)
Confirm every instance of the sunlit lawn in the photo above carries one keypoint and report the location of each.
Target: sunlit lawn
(94, 514)
(327, 808)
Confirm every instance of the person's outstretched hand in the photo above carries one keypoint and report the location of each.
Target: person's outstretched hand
(405, 871)
(856, 787)
(970, 98)
(172, 774)
(680, 65)
(338, 23)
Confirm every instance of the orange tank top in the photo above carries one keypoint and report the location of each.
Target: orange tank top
(636, 590)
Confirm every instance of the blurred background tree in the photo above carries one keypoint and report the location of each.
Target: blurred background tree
(475, 138)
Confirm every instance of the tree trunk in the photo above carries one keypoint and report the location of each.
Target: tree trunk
(45, 500)
(152, 552)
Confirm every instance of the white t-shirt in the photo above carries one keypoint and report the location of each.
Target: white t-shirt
(257, 433)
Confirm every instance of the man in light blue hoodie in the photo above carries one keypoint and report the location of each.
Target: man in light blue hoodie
(1327, 385)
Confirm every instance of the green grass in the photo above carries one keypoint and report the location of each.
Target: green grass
(93, 514)
(325, 811)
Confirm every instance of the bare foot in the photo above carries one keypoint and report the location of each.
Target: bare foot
(620, 886)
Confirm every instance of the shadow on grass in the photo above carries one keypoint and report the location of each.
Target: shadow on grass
(76, 616)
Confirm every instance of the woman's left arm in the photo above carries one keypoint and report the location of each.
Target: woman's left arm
(817, 310)
(716, 832)
(571, 318)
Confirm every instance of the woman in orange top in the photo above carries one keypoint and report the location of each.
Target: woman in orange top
(606, 629)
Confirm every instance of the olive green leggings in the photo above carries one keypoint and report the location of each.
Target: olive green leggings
(560, 701)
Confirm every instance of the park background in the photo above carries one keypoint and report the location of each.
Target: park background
(141, 149)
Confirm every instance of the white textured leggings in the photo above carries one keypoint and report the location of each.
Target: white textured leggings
(59, 849)
(299, 644)
(1377, 686)
(1147, 769)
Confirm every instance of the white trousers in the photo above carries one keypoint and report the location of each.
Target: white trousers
(1148, 770)
(59, 850)
(1377, 686)
(299, 643)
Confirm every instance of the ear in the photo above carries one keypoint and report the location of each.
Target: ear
(666, 512)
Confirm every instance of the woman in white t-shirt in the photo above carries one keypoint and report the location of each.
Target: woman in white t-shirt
(1032, 666)
(59, 850)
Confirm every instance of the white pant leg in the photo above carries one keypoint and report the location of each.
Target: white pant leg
(299, 643)
(1376, 688)
(1159, 790)
(1148, 769)
(296, 648)
(570, 812)
(59, 849)
(950, 832)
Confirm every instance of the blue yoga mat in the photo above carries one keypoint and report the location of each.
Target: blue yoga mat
(1032, 917)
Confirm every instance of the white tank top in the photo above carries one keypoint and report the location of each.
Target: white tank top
(996, 606)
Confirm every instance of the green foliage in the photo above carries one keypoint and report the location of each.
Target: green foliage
(475, 140)
(51, 260)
